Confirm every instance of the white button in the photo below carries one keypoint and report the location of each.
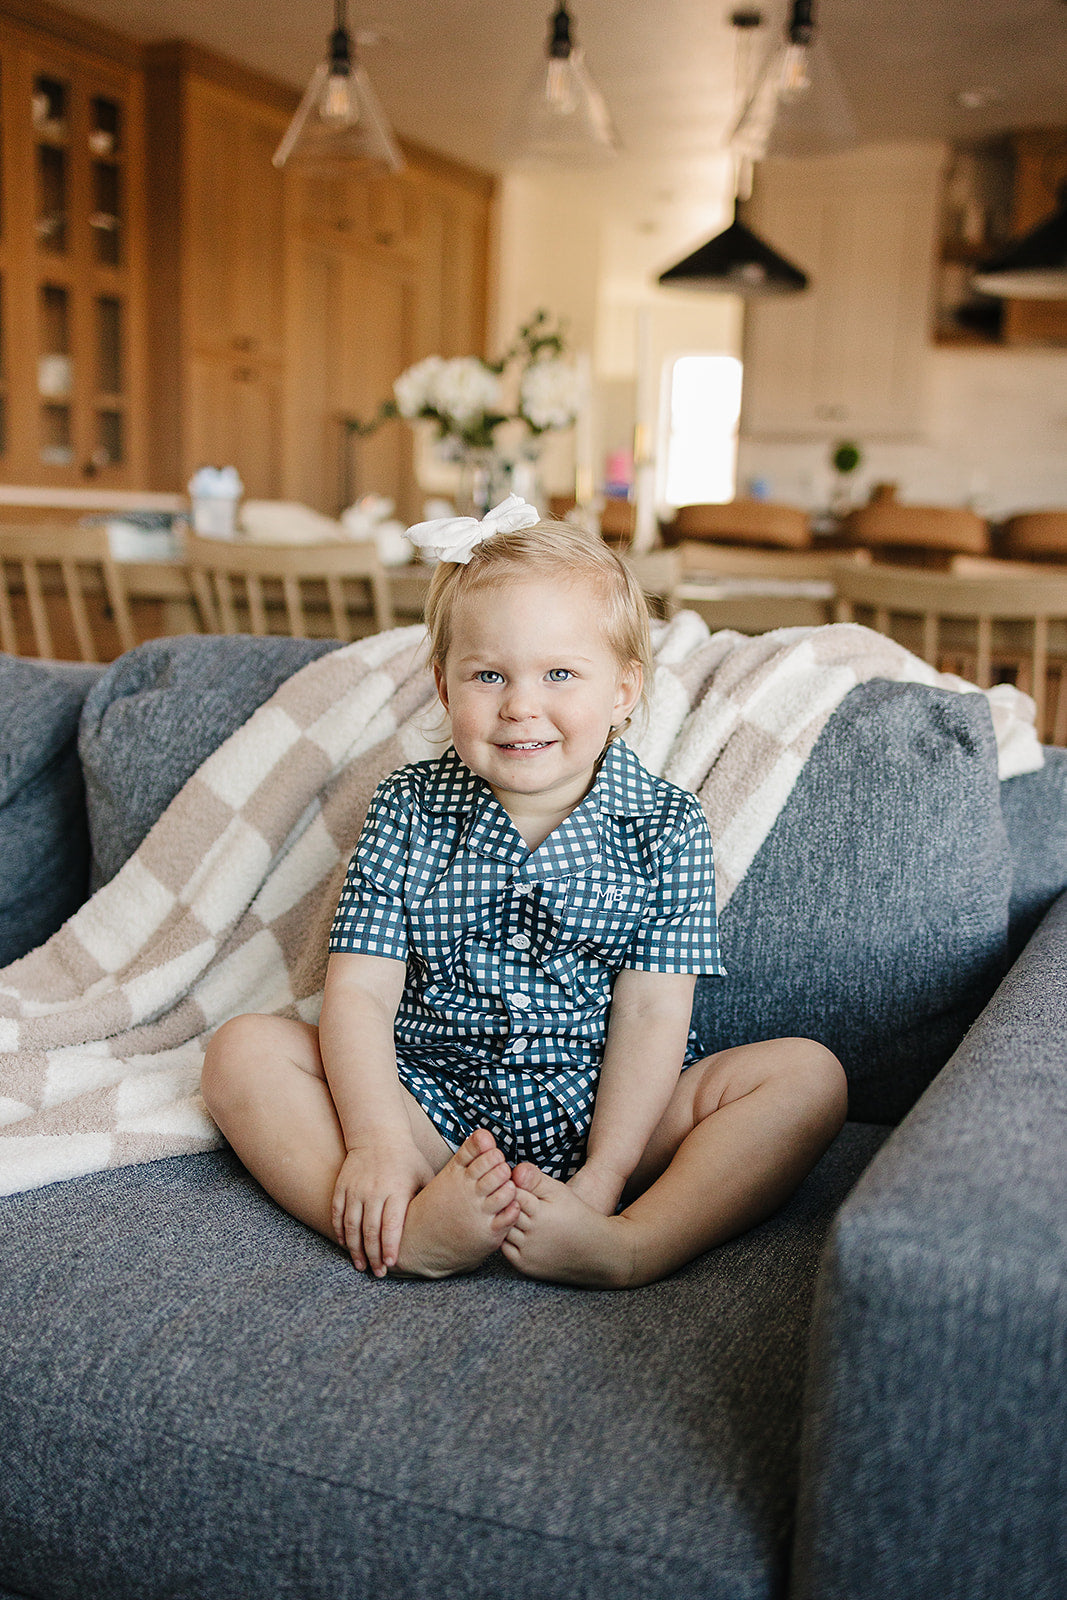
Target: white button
(520, 1001)
(518, 1046)
(520, 942)
(523, 888)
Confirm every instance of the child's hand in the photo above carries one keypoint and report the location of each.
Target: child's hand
(374, 1188)
(599, 1189)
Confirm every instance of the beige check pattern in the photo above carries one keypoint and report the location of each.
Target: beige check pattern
(226, 906)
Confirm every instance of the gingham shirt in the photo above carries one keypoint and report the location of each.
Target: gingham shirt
(511, 953)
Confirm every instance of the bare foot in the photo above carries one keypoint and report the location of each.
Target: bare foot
(559, 1237)
(462, 1215)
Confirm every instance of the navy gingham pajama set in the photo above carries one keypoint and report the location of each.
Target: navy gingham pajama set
(511, 953)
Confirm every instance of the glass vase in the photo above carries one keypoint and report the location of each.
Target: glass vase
(474, 495)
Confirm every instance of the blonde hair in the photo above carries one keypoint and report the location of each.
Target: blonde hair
(548, 548)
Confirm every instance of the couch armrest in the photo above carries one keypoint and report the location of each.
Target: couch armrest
(934, 1461)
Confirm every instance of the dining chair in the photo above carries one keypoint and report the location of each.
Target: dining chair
(743, 522)
(658, 572)
(618, 520)
(912, 535)
(62, 592)
(755, 589)
(337, 590)
(1036, 536)
(989, 626)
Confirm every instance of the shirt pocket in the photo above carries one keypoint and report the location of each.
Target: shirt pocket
(596, 914)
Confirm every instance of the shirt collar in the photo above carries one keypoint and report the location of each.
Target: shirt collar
(622, 788)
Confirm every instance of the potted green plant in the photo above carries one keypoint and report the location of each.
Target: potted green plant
(845, 458)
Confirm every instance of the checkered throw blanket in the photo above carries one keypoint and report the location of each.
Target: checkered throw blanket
(226, 906)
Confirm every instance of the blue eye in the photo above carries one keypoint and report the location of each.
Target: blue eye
(560, 675)
(488, 677)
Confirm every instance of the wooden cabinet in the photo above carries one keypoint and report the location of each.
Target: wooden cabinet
(352, 334)
(284, 302)
(1040, 175)
(995, 192)
(71, 264)
(169, 299)
(848, 355)
(382, 272)
(218, 305)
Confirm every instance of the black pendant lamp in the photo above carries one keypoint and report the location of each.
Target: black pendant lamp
(1035, 266)
(736, 261)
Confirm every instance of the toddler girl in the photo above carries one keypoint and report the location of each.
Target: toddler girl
(504, 1056)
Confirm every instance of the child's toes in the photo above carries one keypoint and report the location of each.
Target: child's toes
(491, 1165)
(475, 1145)
(527, 1176)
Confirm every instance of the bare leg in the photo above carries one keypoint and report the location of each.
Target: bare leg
(265, 1086)
(742, 1130)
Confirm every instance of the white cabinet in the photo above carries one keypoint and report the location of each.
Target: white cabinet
(847, 356)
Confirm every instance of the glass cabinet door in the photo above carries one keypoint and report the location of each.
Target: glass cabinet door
(5, 279)
(68, 286)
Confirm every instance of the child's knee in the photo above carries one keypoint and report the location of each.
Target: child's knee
(823, 1077)
(229, 1052)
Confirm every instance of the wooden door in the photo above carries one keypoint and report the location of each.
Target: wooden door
(235, 419)
(234, 242)
(234, 262)
(351, 336)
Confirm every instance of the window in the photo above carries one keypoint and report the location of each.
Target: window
(704, 410)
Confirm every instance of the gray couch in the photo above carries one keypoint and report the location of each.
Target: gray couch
(866, 1397)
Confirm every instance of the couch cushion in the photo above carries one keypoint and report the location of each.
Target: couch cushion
(875, 916)
(44, 839)
(174, 700)
(200, 1397)
(1035, 815)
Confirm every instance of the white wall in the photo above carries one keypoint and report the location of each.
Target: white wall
(572, 244)
(589, 249)
(995, 438)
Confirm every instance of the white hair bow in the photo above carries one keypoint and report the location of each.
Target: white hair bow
(454, 538)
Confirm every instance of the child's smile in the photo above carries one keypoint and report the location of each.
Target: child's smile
(533, 690)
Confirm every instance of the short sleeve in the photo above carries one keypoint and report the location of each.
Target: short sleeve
(679, 931)
(370, 913)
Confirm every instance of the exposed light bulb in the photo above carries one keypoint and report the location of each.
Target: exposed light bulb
(339, 120)
(561, 118)
(795, 75)
(796, 107)
(559, 89)
(338, 106)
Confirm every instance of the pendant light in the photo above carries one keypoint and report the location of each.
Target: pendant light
(561, 118)
(1035, 266)
(339, 121)
(737, 261)
(796, 106)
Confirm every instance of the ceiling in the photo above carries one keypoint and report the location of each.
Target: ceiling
(447, 70)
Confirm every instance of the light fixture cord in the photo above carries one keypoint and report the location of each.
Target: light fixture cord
(802, 22)
(560, 42)
(340, 45)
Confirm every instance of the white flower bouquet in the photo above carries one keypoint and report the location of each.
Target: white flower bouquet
(468, 399)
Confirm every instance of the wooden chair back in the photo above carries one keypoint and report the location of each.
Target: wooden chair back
(300, 590)
(984, 625)
(744, 522)
(1036, 536)
(62, 591)
(700, 559)
(910, 533)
